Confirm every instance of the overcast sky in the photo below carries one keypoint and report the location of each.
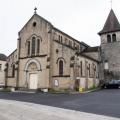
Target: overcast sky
(81, 19)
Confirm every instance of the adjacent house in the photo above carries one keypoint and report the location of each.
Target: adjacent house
(2, 68)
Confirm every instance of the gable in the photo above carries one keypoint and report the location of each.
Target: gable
(34, 17)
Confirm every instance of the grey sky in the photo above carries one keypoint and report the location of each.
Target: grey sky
(81, 19)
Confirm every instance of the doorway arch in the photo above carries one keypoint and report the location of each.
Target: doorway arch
(32, 69)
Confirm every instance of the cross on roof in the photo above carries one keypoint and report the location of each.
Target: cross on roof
(35, 9)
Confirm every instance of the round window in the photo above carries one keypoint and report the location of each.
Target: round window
(34, 24)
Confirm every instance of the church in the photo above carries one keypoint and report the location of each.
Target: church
(46, 58)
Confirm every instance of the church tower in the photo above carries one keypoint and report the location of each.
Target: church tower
(110, 48)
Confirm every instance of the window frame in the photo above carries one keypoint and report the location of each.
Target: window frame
(109, 40)
(0, 67)
(13, 70)
(33, 46)
(61, 67)
(114, 38)
(38, 46)
(28, 49)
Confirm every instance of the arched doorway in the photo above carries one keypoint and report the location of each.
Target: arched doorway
(32, 71)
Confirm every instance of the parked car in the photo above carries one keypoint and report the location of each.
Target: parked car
(111, 84)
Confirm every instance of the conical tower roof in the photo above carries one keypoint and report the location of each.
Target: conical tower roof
(111, 24)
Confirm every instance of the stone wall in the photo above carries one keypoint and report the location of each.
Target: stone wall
(110, 53)
(2, 72)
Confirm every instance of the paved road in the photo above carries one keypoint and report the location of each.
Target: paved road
(14, 110)
(104, 102)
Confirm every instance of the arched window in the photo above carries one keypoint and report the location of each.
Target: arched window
(38, 46)
(61, 39)
(66, 41)
(28, 48)
(74, 44)
(89, 70)
(70, 43)
(114, 37)
(108, 38)
(81, 68)
(60, 67)
(33, 46)
(13, 70)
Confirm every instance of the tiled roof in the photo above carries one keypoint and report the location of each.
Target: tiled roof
(111, 25)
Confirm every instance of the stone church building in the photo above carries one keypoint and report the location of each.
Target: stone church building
(47, 58)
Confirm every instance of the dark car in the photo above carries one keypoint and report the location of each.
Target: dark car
(112, 84)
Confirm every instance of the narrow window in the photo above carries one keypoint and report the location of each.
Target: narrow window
(65, 40)
(33, 46)
(7, 69)
(114, 37)
(38, 46)
(60, 67)
(81, 68)
(89, 70)
(28, 48)
(74, 45)
(77, 47)
(0, 67)
(95, 71)
(13, 70)
(61, 39)
(108, 38)
(70, 43)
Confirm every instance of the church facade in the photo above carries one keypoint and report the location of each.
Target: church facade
(47, 58)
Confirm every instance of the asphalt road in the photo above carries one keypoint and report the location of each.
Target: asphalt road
(16, 110)
(104, 102)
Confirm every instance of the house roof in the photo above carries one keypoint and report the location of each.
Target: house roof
(88, 57)
(111, 24)
(3, 57)
(83, 43)
(66, 34)
(91, 49)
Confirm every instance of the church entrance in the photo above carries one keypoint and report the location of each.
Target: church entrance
(32, 72)
(33, 80)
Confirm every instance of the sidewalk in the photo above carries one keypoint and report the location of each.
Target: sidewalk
(13, 110)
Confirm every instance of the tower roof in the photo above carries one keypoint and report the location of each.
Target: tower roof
(111, 24)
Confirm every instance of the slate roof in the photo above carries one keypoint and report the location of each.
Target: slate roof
(83, 43)
(3, 57)
(91, 49)
(111, 25)
(86, 56)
